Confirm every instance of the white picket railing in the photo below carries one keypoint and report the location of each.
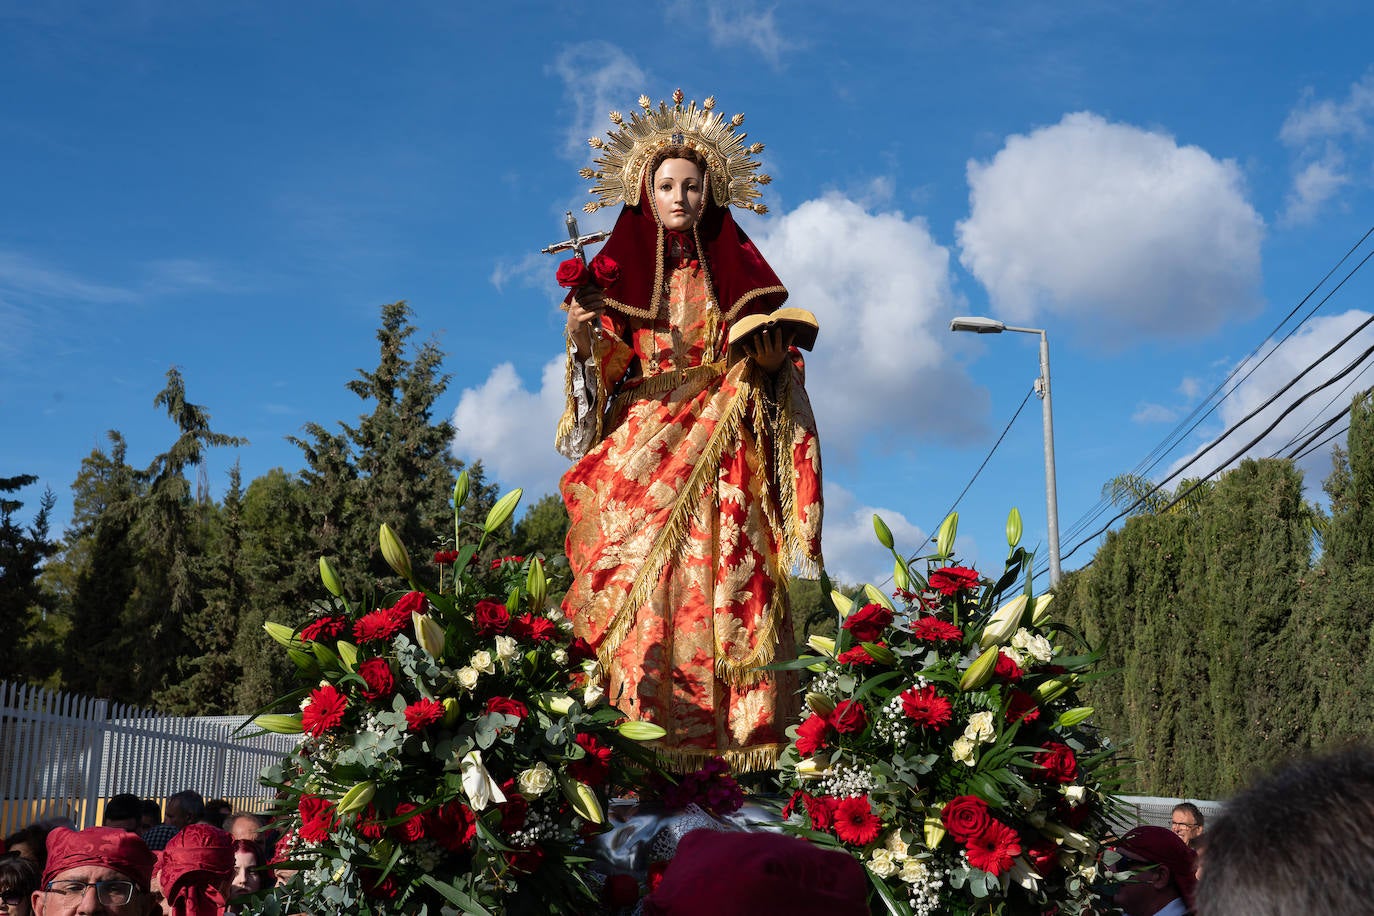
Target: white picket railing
(62, 755)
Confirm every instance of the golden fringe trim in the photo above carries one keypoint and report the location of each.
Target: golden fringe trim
(667, 381)
(670, 544)
(751, 296)
(740, 760)
(568, 421)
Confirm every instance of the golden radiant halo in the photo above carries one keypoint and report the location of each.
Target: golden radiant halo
(733, 171)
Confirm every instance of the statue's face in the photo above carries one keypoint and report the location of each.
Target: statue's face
(678, 191)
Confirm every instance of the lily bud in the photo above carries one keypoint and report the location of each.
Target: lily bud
(900, 577)
(394, 552)
(356, 798)
(460, 490)
(933, 828)
(537, 585)
(1004, 623)
(582, 799)
(280, 723)
(880, 654)
(348, 654)
(1075, 716)
(1042, 609)
(330, 579)
(980, 671)
(282, 634)
(842, 603)
(1013, 527)
(883, 532)
(811, 769)
(877, 597)
(944, 540)
(641, 731)
(822, 644)
(1054, 688)
(559, 705)
(429, 633)
(503, 509)
(820, 704)
(452, 710)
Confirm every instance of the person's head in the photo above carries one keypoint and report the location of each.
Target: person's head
(18, 881)
(244, 826)
(1187, 822)
(1155, 868)
(678, 183)
(194, 871)
(247, 860)
(184, 808)
(122, 811)
(29, 843)
(1296, 841)
(149, 815)
(216, 810)
(99, 871)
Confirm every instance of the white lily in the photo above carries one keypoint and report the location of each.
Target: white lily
(478, 785)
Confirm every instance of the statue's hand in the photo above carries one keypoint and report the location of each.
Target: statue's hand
(586, 308)
(769, 348)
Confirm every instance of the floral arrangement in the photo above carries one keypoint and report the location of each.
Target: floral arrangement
(453, 754)
(944, 748)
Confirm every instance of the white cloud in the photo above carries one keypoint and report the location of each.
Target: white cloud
(1333, 145)
(532, 270)
(1277, 369)
(1087, 219)
(1154, 413)
(1190, 387)
(598, 77)
(736, 23)
(852, 552)
(511, 429)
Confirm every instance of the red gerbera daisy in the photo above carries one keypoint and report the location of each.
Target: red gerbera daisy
(953, 579)
(856, 656)
(855, 821)
(324, 711)
(994, 848)
(380, 624)
(933, 629)
(330, 626)
(423, 713)
(926, 707)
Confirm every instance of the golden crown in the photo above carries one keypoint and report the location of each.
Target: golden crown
(628, 149)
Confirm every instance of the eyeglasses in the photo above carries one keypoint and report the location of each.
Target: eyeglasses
(1182, 824)
(10, 901)
(110, 893)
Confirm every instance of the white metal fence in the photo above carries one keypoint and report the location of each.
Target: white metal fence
(62, 755)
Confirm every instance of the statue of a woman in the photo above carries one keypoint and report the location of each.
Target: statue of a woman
(697, 486)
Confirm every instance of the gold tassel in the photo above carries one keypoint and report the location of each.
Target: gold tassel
(740, 760)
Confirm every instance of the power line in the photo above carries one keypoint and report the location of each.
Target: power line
(1005, 430)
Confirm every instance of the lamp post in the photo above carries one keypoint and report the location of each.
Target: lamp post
(1042, 388)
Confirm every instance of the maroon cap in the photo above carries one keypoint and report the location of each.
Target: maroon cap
(734, 874)
(1160, 846)
(101, 847)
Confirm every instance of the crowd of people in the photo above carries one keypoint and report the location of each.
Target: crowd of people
(189, 859)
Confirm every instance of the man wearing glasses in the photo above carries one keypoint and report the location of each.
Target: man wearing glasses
(1186, 822)
(99, 871)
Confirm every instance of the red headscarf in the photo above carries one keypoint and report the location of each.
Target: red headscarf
(1160, 846)
(100, 847)
(193, 866)
(741, 279)
(743, 874)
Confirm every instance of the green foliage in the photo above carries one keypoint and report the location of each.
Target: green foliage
(24, 604)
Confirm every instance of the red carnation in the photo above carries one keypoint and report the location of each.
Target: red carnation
(508, 707)
(376, 673)
(330, 626)
(855, 821)
(926, 707)
(595, 766)
(933, 629)
(411, 602)
(605, 271)
(409, 831)
(994, 848)
(1021, 707)
(821, 809)
(856, 656)
(381, 624)
(452, 825)
(324, 711)
(868, 622)
(317, 818)
(1007, 669)
(951, 580)
(423, 713)
(1058, 761)
(573, 274)
(490, 618)
(531, 627)
(965, 816)
(502, 561)
(444, 557)
(368, 824)
(812, 735)
(849, 717)
(788, 809)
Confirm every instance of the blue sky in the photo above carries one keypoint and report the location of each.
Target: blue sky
(235, 189)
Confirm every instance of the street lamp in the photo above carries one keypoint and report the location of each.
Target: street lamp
(1042, 388)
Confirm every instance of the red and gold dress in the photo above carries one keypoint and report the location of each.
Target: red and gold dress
(687, 516)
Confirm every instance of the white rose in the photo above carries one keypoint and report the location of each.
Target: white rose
(1037, 647)
(896, 845)
(467, 678)
(506, 648)
(560, 657)
(881, 864)
(980, 726)
(962, 751)
(913, 871)
(483, 662)
(1015, 655)
(1075, 794)
(535, 781)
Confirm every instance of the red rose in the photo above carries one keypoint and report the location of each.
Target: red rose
(376, 673)
(933, 629)
(965, 817)
(1043, 854)
(821, 809)
(409, 831)
(508, 707)
(812, 734)
(533, 628)
(594, 767)
(317, 818)
(951, 580)
(856, 656)
(411, 602)
(385, 889)
(423, 713)
(514, 809)
(490, 618)
(1058, 761)
(452, 825)
(849, 717)
(573, 274)
(579, 650)
(330, 626)
(926, 707)
(868, 622)
(605, 271)
(1021, 707)
(324, 711)
(855, 822)
(1006, 669)
(994, 848)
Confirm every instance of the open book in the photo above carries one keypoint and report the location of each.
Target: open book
(798, 324)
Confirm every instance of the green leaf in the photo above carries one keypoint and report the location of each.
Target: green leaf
(456, 897)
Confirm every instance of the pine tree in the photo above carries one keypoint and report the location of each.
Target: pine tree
(23, 601)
